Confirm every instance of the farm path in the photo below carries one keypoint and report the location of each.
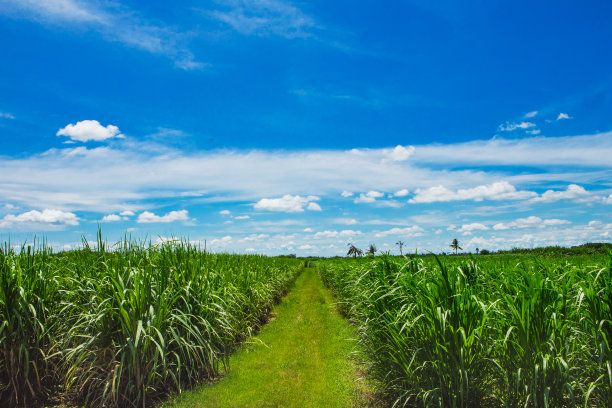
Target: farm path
(300, 359)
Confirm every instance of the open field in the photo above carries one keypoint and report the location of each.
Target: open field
(126, 327)
(504, 330)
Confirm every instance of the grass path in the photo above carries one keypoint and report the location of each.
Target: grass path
(300, 359)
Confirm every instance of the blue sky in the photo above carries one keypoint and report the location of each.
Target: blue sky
(278, 127)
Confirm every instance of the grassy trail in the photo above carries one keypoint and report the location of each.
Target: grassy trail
(300, 359)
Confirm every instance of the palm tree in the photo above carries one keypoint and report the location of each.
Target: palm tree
(353, 250)
(400, 244)
(372, 250)
(455, 245)
(477, 251)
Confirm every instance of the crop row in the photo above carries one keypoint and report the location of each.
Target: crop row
(123, 327)
(471, 332)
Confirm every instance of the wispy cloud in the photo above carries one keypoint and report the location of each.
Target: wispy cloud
(510, 126)
(265, 18)
(530, 115)
(125, 174)
(114, 22)
(6, 115)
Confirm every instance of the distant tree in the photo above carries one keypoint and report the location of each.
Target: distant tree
(372, 250)
(477, 250)
(400, 244)
(484, 252)
(353, 250)
(455, 245)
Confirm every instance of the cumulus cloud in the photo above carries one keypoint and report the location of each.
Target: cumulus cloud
(563, 116)
(529, 222)
(346, 194)
(287, 203)
(467, 229)
(368, 197)
(510, 126)
(337, 234)
(573, 192)
(149, 217)
(401, 193)
(400, 153)
(345, 221)
(313, 207)
(225, 212)
(127, 213)
(88, 130)
(46, 216)
(413, 231)
(500, 190)
(111, 218)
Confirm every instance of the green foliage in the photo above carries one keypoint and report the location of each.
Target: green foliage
(482, 331)
(124, 327)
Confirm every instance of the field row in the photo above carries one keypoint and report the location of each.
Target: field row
(127, 326)
(483, 331)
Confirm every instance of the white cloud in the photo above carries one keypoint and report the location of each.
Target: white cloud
(242, 217)
(413, 231)
(265, 18)
(500, 190)
(346, 194)
(607, 200)
(401, 193)
(510, 126)
(87, 130)
(221, 243)
(337, 234)
(307, 229)
(467, 229)
(47, 216)
(225, 212)
(369, 197)
(313, 207)
(149, 217)
(6, 115)
(400, 153)
(111, 218)
(534, 132)
(286, 203)
(573, 192)
(531, 114)
(127, 213)
(563, 116)
(307, 247)
(529, 222)
(113, 23)
(345, 221)
(130, 174)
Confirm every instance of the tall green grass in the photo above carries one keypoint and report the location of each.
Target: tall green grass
(124, 326)
(483, 331)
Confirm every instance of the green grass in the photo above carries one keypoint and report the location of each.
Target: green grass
(300, 359)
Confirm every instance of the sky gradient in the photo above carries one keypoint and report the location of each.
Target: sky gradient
(278, 127)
